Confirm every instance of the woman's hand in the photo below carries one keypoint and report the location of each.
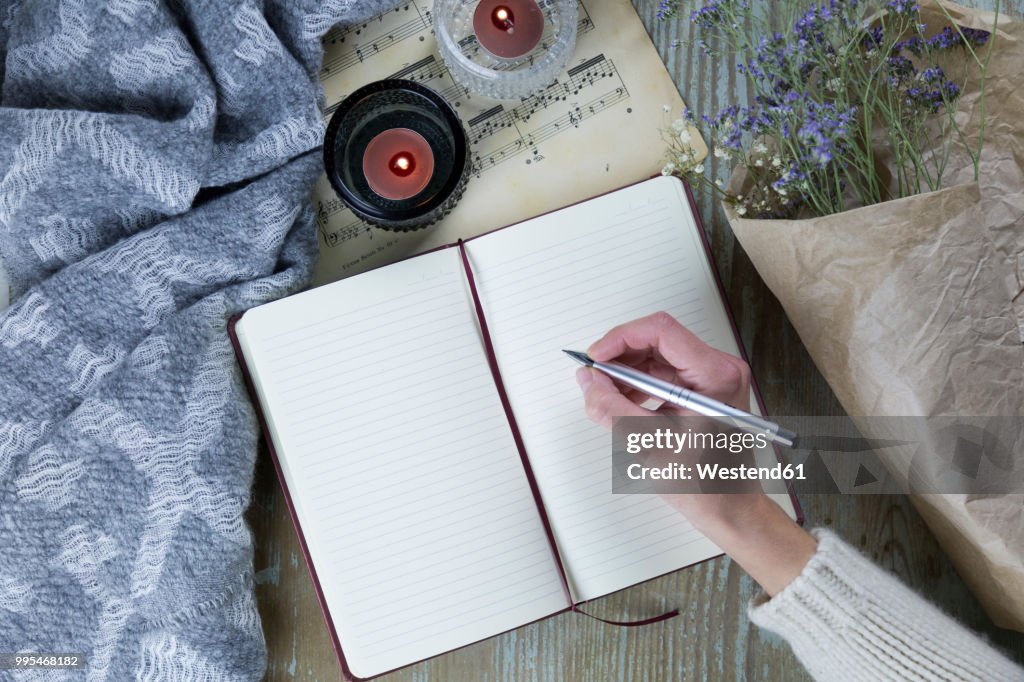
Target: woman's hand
(749, 527)
(659, 345)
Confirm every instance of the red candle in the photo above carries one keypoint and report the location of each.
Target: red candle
(398, 163)
(508, 28)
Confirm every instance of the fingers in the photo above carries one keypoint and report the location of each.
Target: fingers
(695, 364)
(603, 400)
(658, 334)
(649, 366)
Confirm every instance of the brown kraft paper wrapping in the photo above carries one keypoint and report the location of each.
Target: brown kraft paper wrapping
(915, 307)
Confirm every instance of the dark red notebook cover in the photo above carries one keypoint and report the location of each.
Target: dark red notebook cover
(512, 423)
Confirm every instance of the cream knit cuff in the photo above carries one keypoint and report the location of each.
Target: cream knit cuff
(847, 619)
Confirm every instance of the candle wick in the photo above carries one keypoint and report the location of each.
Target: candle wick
(504, 19)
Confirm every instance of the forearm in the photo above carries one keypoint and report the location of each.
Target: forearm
(759, 536)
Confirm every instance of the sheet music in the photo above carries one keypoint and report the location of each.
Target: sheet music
(562, 281)
(408, 485)
(593, 130)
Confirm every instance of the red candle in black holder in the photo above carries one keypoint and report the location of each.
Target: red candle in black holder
(508, 29)
(397, 155)
(398, 163)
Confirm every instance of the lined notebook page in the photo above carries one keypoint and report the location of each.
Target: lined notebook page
(562, 281)
(400, 462)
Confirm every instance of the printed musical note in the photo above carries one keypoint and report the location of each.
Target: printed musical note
(321, 215)
(523, 141)
(585, 23)
(327, 209)
(498, 134)
(347, 232)
(492, 121)
(369, 46)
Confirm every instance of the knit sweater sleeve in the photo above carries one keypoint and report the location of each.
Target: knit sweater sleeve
(847, 619)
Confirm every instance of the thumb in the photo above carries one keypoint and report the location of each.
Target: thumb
(603, 400)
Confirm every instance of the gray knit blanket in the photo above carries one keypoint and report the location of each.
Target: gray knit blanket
(156, 164)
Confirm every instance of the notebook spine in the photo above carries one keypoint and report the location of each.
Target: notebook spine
(492, 362)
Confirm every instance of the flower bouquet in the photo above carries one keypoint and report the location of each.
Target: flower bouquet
(878, 188)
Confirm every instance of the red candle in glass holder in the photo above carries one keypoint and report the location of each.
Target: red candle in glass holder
(508, 28)
(398, 163)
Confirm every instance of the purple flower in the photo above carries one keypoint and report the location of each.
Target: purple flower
(715, 12)
(825, 132)
(801, 92)
(900, 69)
(726, 127)
(771, 60)
(976, 37)
(811, 25)
(906, 8)
(950, 38)
(790, 180)
(873, 38)
(707, 16)
(914, 45)
(931, 90)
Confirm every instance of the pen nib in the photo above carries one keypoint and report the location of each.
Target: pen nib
(579, 357)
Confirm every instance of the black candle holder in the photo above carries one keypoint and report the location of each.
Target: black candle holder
(397, 104)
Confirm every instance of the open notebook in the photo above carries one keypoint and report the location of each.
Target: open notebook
(406, 483)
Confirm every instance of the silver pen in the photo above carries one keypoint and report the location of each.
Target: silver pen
(687, 399)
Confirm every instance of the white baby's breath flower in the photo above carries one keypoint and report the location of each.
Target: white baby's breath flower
(666, 108)
(722, 153)
(776, 162)
(679, 124)
(668, 169)
(741, 210)
(684, 136)
(760, 148)
(835, 85)
(699, 168)
(720, 182)
(759, 162)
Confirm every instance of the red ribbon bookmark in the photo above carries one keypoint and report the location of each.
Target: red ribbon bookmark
(629, 623)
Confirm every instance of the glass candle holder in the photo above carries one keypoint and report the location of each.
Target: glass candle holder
(505, 49)
(396, 153)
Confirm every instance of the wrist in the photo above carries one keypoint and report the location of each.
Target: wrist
(736, 516)
(760, 537)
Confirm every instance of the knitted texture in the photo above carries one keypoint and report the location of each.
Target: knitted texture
(847, 619)
(156, 165)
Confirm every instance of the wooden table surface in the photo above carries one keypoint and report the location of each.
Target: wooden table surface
(712, 639)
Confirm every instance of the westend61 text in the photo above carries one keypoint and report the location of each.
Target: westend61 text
(716, 472)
